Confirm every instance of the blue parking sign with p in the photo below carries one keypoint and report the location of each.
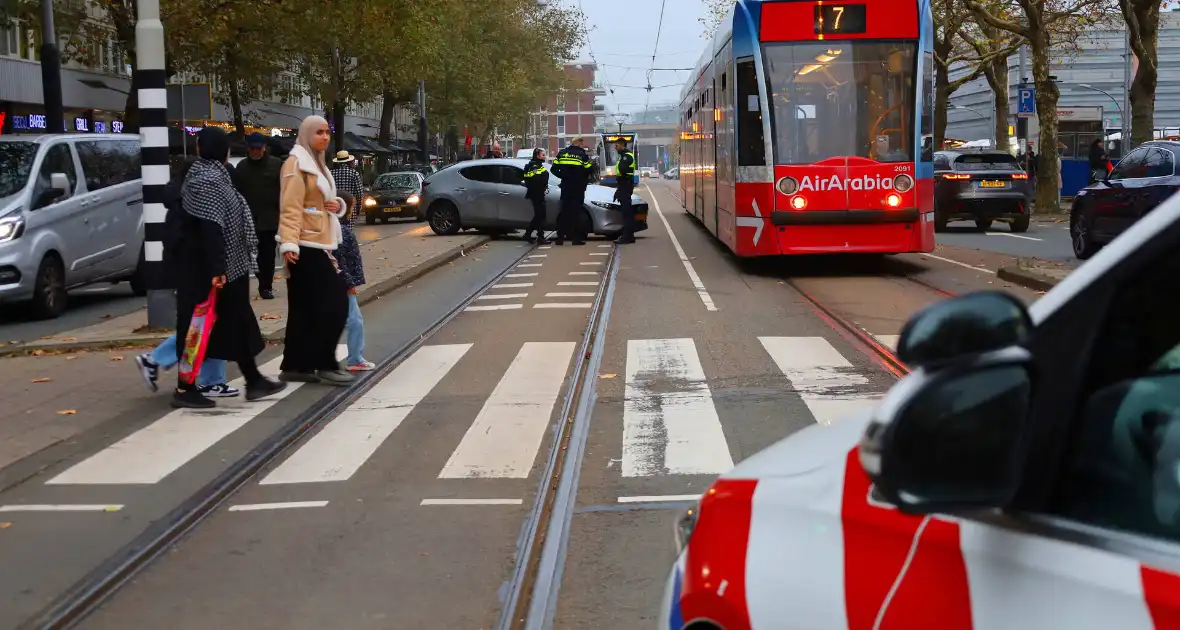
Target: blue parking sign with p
(1027, 101)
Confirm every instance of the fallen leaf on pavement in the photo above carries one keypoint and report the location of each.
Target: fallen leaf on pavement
(68, 412)
(608, 376)
(5, 524)
(38, 353)
(270, 316)
(117, 358)
(71, 358)
(69, 338)
(48, 337)
(41, 380)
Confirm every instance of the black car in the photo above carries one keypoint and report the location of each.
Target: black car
(981, 186)
(1143, 179)
(393, 195)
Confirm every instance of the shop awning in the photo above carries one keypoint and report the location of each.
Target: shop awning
(356, 144)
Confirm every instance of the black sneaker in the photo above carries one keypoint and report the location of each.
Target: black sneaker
(299, 377)
(624, 241)
(263, 388)
(220, 390)
(149, 370)
(266, 294)
(191, 399)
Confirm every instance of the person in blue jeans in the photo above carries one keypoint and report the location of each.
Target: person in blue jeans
(348, 255)
(211, 380)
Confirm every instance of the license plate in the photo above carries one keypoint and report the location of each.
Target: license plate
(393, 209)
(992, 184)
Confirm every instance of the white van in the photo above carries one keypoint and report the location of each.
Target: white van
(71, 214)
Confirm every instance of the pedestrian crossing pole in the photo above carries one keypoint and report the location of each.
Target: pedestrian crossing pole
(150, 79)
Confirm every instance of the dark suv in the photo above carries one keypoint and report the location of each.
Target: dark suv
(1143, 179)
(981, 186)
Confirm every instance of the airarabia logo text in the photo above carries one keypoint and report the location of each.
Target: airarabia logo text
(835, 182)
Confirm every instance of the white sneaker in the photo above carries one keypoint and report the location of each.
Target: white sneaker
(363, 366)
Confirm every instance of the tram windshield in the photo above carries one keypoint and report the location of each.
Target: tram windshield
(842, 98)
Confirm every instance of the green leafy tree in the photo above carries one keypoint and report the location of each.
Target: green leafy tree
(715, 11)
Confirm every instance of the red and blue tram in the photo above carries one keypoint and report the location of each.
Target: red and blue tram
(802, 128)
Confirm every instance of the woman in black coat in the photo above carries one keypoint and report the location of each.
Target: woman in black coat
(218, 249)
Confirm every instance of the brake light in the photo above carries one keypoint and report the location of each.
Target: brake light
(955, 176)
(798, 202)
(1019, 175)
(893, 200)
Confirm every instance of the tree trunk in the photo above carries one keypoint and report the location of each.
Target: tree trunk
(1048, 178)
(338, 110)
(131, 107)
(1146, 47)
(388, 105)
(235, 106)
(997, 80)
(942, 99)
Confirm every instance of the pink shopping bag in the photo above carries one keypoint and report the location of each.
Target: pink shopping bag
(197, 339)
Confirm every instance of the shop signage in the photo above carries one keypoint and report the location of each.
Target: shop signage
(100, 126)
(81, 124)
(117, 126)
(32, 121)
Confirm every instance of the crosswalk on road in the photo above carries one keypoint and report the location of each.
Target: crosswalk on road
(670, 423)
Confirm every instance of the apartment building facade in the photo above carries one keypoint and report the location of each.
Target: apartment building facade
(569, 113)
(95, 94)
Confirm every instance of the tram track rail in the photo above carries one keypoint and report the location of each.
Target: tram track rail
(103, 582)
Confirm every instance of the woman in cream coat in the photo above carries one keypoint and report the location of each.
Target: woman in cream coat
(309, 233)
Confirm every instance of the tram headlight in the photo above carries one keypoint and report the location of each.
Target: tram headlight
(903, 182)
(893, 200)
(787, 185)
(798, 203)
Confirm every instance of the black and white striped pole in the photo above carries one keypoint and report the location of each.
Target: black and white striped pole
(153, 146)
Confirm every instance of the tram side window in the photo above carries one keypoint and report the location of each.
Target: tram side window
(927, 105)
(751, 151)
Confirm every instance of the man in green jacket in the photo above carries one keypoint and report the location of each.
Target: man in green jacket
(257, 178)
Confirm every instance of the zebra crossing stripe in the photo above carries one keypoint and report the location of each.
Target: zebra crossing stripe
(824, 379)
(506, 435)
(670, 424)
(161, 448)
(343, 446)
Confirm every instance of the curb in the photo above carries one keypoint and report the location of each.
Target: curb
(1027, 279)
(365, 296)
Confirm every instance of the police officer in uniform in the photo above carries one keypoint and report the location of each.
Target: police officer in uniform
(625, 178)
(573, 166)
(536, 181)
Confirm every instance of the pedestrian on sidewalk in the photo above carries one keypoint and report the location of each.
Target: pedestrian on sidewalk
(218, 250)
(309, 233)
(257, 178)
(351, 265)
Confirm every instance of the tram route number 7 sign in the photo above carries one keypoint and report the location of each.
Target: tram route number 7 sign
(1026, 102)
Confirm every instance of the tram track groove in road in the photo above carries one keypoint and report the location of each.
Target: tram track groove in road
(103, 582)
(531, 599)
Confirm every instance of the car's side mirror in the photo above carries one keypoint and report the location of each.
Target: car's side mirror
(59, 181)
(963, 326)
(952, 441)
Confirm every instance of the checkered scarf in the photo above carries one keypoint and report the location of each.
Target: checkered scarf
(349, 181)
(209, 194)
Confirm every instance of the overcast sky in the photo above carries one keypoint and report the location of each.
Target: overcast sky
(622, 39)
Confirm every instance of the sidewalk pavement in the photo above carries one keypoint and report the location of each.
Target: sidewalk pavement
(1037, 274)
(62, 393)
(389, 263)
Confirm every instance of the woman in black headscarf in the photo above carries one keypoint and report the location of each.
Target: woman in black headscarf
(218, 249)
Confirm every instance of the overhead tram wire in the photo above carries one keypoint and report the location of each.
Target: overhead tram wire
(605, 76)
(655, 49)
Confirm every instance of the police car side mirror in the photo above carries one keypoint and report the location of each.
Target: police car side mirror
(950, 441)
(963, 326)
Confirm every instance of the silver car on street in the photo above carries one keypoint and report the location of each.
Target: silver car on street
(488, 196)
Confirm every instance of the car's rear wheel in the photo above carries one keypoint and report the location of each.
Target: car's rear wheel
(940, 221)
(49, 292)
(444, 219)
(1019, 224)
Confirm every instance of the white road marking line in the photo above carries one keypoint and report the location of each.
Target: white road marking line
(577, 284)
(346, 443)
(514, 285)
(889, 341)
(692, 273)
(258, 507)
(961, 264)
(471, 502)
(590, 264)
(538, 255)
(606, 245)
(60, 508)
(506, 435)
(821, 375)
(583, 273)
(520, 275)
(673, 432)
(495, 307)
(502, 296)
(570, 294)
(660, 498)
(562, 305)
(599, 254)
(530, 265)
(159, 449)
(545, 247)
(1010, 235)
